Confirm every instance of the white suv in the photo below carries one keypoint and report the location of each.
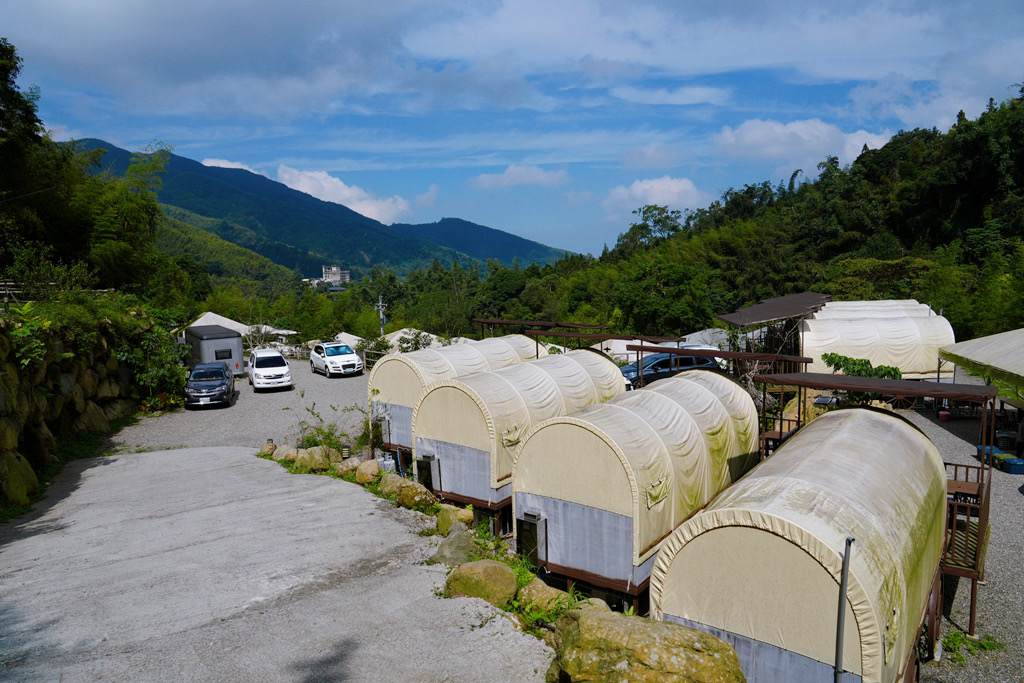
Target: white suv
(268, 368)
(335, 357)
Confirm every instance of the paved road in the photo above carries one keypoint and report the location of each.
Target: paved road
(209, 564)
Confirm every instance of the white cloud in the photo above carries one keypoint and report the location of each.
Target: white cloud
(517, 174)
(325, 186)
(428, 198)
(676, 193)
(677, 96)
(224, 163)
(805, 141)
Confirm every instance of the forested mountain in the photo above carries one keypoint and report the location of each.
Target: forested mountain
(298, 230)
(481, 242)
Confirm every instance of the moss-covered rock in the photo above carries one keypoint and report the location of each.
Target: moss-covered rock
(17, 478)
(367, 471)
(489, 580)
(414, 496)
(608, 646)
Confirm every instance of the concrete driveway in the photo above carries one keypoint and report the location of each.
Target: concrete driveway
(209, 564)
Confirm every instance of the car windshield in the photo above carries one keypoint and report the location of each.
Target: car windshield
(270, 362)
(206, 375)
(338, 350)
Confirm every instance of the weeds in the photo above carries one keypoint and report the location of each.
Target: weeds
(957, 644)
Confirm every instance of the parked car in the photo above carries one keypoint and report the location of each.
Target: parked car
(268, 368)
(210, 383)
(335, 357)
(661, 365)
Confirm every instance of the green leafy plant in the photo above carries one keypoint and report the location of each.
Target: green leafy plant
(28, 337)
(957, 644)
(860, 367)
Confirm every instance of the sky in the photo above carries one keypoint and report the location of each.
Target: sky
(549, 119)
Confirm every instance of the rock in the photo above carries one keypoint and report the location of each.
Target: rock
(66, 383)
(107, 389)
(92, 419)
(111, 364)
(464, 515)
(445, 518)
(330, 454)
(414, 495)
(598, 646)
(312, 460)
(390, 484)
(489, 580)
(8, 434)
(367, 471)
(88, 381)
(457, 548)
(118, 408)
(347, 468)
(285, 453)
(17, 479)
(268, 448)
(78, 399)
(542, 596)
(593, 605)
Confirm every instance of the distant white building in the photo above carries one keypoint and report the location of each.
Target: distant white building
(335, 275)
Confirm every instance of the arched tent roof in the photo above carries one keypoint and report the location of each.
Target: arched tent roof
(873, 309)
(999, 355)
(646, 455)
(492, 411)
(399, 378)
(761, 563)
(909, 343)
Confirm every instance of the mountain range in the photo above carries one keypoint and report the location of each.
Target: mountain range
(299, 231)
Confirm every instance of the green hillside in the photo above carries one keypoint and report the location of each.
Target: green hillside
(299, 231)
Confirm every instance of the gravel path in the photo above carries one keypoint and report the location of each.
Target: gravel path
(1001, 598)
(255, 417)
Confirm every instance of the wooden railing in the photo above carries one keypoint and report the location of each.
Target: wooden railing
(969, 492)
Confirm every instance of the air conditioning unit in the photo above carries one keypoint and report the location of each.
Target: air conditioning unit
(532, 538)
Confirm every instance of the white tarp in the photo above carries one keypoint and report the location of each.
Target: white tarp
(653, 456)
(909, 343)
(761, 564)
(398, 379)
(872, 309)
(1000, 356)
(490, 412)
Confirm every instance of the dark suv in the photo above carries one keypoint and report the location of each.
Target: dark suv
(210, 383)
(661, 365)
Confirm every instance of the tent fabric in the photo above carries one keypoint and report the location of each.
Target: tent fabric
(492, 411)
(398, 379)
(873, 309)
(651, 456)
(763, 560)
(909, 343)
(1000, 356)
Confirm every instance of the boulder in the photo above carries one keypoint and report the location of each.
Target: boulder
(78, 398)
(445, 518)
(489, 580)
(414, 495)
(9, 431)
(118, 408)
(17, 479)
(367, 471)
(268, 449)
(88, 381)
(598, 646)
(390, 484)
(542, 596)
(457, 548)
(107, 389)
(92, 419)
(347, 468)
(285, 453)
(330, 454)
(312, 460)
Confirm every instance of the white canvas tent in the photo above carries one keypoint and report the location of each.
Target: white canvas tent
(209, 318)
(999, 356)
(348, 338)
(609, 483)
(760, 565)
(468, 428)
(398, 379)
(909, 343)
(873, 309)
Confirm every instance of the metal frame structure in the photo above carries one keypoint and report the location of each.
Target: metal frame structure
(968, 487)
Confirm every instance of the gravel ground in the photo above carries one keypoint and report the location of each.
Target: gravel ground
(255, 417)
(1001, 597)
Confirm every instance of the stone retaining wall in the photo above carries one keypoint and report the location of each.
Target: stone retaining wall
(52, 400)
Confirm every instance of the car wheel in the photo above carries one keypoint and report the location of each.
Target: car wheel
(312, 367)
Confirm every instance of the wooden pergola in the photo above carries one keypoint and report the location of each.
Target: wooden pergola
(968, 487)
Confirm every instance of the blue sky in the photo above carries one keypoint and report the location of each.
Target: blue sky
(548, 119)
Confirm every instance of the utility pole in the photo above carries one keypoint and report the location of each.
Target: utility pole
(380, 308)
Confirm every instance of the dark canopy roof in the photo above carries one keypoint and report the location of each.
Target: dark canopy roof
(892, 387)
(779, 308)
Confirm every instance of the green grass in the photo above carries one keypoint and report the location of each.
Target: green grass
(957, 645)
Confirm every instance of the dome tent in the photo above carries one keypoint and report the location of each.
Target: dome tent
(469, 427)
(901, 308)
(611, 482)
(398, 379)
(909, 343)
(760, 565)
